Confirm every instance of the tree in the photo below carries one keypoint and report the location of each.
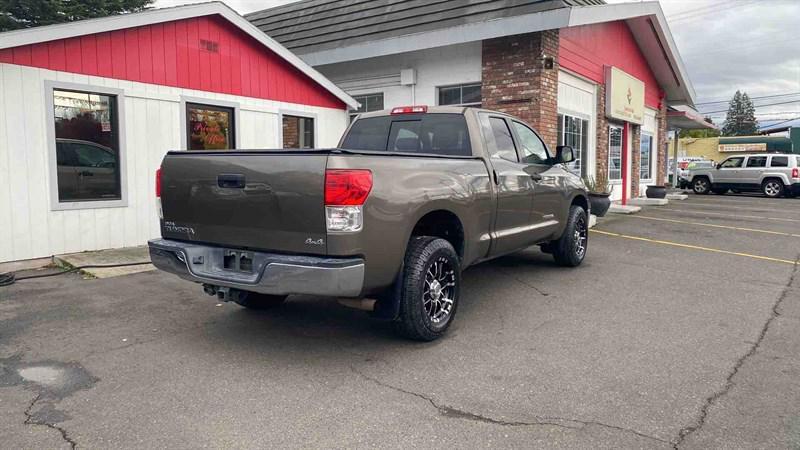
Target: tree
(16, 14)
(702, 133)
(741, 117)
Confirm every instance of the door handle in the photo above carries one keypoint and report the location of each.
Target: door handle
(536, 177)
(231, 180)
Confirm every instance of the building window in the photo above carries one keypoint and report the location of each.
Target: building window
(574, 131)
(646, 156)
(209, 127)
(461, 95)
(369, 103)
(614, 153)
(87, 146)
(298, 132)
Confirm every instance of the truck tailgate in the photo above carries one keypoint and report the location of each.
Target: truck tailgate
(271, 201)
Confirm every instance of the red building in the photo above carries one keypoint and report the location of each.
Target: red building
(598, 77)
(89, 108)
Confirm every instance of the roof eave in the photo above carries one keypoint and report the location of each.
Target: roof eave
(48, 33)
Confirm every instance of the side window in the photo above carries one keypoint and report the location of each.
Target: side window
(499, 141)
(732, 163)
(94, 156)
(779, 161)
(757, 161)
(65, 154)
(533, 149)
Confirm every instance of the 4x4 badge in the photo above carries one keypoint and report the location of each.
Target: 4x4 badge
(319, 241)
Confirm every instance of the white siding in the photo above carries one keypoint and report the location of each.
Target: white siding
(650, 126)
(29, 228)
(577, 97)
(443, 66)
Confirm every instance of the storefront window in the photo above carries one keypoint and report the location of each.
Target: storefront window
(87, 146)
(645, 156)
(461, 95)
(210, 127)
(614, 153)
(298, 132)
(574, 131)
(369, 103)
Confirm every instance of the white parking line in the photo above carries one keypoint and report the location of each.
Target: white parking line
(728, 206)
(736, 216)
(713, 225)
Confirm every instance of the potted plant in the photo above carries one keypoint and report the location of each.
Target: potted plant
(599, 193)
(656, 191)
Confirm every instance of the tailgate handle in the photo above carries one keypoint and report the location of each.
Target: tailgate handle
(231, 180)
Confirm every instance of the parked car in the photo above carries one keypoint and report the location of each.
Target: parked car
(86, 170)
(685, 171)
(773, 174)
(411, 197)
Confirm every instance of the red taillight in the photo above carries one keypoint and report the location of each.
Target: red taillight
(410, 110)
(347, 187)
(795, 173)
(158, 182)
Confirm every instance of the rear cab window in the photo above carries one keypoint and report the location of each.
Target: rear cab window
(438, 134)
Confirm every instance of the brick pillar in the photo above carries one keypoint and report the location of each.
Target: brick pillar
(515, 81)
(636, 136)
(661, 167)
(602, 134)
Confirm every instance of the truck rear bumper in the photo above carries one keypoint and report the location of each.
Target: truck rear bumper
(271, 273)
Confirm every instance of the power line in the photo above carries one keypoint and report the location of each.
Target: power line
(752, 98)
(757, 106)
(710, 9)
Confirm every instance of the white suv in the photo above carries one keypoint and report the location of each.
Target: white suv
(774, 174)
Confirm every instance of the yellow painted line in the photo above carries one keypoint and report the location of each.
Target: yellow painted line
(738, 216)
(713, 225)
(694, 247)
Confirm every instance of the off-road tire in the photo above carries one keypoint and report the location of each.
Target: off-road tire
(701, 186)
(773, 187)
(257, 301)
(414, 322)
(566, 248)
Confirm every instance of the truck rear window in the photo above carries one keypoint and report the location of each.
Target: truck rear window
(439, 134)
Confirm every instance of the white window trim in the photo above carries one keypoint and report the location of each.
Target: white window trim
(615, 181)
(295, 113)
(209, 102)
(586, 163)
(467, 83)
(652, 148)
(55, 204)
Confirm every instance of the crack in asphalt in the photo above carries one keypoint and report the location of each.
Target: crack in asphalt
(30, 421)
(524, 283)
(559, 422)
(729, 384)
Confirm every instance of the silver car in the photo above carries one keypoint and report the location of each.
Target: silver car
(774, 174)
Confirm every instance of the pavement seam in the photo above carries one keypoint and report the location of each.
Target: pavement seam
(729, 384)
(29, 421)
(559, 422)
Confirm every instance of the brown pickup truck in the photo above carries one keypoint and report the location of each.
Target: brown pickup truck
(411, 197)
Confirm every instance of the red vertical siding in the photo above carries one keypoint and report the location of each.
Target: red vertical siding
(171, 54)
(585, 50)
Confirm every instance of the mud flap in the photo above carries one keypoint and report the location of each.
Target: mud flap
(388, 305)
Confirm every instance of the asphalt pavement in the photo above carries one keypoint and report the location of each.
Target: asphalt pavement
(679, 330)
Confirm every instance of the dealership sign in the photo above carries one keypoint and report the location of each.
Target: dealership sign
(751, 148)
(624, 96)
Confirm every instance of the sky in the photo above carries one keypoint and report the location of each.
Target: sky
(750, 45)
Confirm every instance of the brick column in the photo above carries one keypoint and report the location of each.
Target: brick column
(636, 136)
(602, 134)
(515, 81)
(661, 121)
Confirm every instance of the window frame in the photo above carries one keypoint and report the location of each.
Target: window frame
(353, 113)
(772, 158)
(561, 131)
(461, 94)
(50, 86)
(747, 165)
(488, 133)
(622, 150)
(650, 170)
(303, 114)
(199, 101)
(741, 166)
(519, 145)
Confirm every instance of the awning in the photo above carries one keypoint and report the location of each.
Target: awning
(687, 120)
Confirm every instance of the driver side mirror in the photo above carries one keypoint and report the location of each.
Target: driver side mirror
(565, 154)
(718, 166)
